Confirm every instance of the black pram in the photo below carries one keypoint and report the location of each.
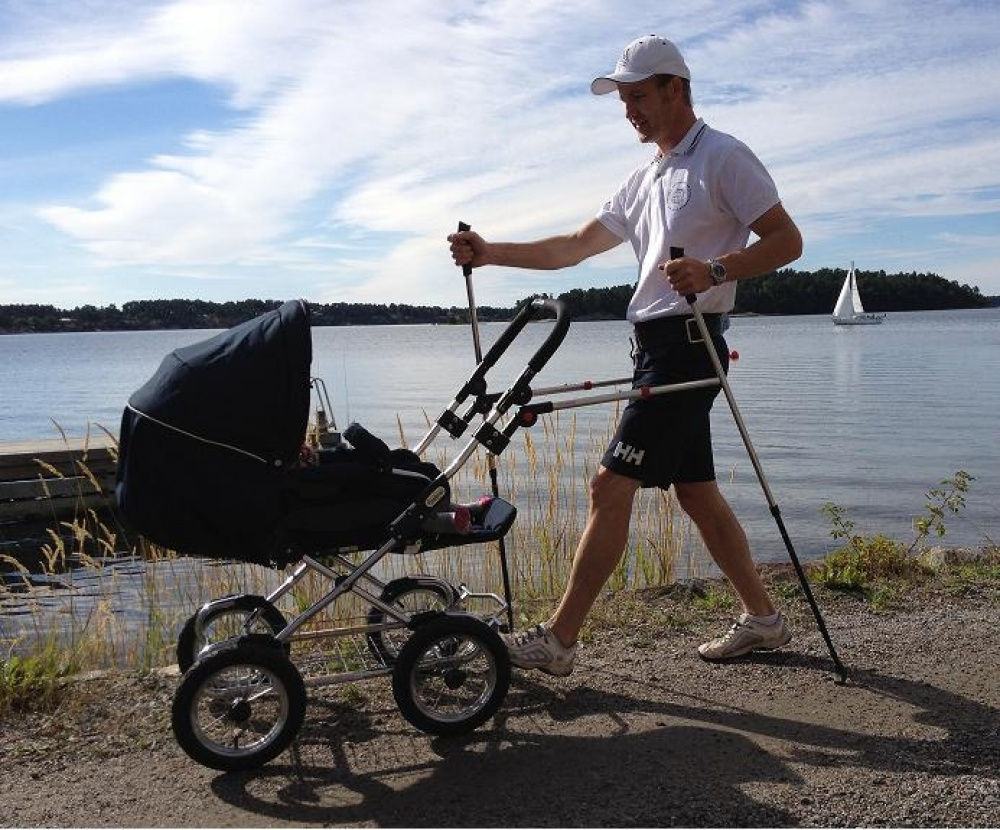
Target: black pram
(210, 464)
(210, 456)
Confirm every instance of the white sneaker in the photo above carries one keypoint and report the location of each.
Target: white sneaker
(746, 635)
(538, 648)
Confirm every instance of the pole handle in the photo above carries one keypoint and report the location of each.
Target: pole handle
(466, 269)
(677, 253)
(473, 315)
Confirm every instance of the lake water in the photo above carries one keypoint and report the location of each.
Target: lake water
(867, 417)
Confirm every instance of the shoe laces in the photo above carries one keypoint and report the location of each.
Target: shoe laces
(530, 635)
(733, 629)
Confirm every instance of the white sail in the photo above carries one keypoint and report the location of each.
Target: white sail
(844, 309)
(855, 296)
(849, 311)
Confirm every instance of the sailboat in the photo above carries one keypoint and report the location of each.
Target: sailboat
(849, 311)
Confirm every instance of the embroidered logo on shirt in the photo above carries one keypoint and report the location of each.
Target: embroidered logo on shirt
(678, 195)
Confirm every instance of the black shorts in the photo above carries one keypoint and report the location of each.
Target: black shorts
(668, 438)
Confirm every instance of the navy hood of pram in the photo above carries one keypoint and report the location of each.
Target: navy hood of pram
(206, 441)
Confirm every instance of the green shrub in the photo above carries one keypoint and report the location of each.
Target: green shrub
(32, 683)
(879, 567)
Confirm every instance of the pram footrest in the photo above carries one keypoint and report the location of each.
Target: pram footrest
(494, 523)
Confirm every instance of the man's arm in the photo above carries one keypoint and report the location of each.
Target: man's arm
(469, 248)
(779, 243)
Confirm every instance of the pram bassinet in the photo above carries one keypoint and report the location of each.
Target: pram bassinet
(210, 465)
(209, 449)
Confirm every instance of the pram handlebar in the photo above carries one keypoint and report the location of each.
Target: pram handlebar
(476, 387)
(514, 328)
(556, 336)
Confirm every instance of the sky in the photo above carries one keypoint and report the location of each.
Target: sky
(274, 149)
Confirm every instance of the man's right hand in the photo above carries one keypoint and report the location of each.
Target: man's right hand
(468, 248)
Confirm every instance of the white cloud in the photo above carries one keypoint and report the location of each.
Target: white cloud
(366, 131)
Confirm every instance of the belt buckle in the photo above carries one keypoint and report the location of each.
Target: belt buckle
(687, 327)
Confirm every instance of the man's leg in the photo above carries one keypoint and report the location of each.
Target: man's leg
(551, 647)
(760, 627)
(726, 542)
(600, 549)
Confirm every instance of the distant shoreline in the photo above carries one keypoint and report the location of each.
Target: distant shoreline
(584, 318)
(786, 292)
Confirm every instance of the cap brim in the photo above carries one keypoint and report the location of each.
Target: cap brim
(609, 83)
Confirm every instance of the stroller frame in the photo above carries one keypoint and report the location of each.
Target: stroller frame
(241, 700)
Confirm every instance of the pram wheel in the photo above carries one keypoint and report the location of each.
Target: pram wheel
(451, 675)
(413, 595)
(227, 622)
(239, 706)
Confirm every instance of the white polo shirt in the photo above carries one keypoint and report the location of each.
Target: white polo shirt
(702, 197)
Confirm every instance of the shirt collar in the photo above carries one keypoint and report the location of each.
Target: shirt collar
(688, 144)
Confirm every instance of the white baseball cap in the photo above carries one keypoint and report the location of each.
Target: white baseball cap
(643, 58)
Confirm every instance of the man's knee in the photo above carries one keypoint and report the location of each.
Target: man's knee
(610, 489)
(699, 498)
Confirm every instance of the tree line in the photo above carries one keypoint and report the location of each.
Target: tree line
(783, 292)
(804, 292)
(144, 315)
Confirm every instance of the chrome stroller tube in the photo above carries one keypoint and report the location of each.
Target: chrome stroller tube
(677, 253)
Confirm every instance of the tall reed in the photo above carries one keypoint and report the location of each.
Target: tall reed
(124, 607)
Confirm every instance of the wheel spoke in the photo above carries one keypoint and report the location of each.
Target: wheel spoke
(451, 675)
(239, 706)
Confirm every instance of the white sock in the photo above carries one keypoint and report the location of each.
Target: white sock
(770, 619)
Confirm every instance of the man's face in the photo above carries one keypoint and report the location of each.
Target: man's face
(648, 108)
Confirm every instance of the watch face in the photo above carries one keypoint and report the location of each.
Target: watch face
(718, 271)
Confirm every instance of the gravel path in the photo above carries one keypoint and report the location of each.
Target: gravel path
(642, 734)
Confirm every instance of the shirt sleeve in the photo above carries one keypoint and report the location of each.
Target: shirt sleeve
(612, 217)
(614, 212)
(746, 190)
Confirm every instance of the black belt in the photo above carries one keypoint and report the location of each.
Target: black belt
(675, 329)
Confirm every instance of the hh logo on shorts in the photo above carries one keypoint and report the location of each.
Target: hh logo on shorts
(630, 455)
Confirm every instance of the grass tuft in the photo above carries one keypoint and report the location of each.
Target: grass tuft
(34, 683)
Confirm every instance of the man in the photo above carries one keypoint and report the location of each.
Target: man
(704, 192)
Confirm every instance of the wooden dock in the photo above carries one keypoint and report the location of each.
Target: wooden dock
(45, 483)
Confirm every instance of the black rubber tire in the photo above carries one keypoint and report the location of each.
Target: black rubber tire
(269, 621)
(446, 656)
(214, 695)
(405, 592)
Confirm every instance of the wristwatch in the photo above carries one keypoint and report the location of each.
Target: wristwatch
(717, 271)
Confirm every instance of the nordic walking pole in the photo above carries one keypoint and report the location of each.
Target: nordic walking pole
(491, 461)
(677, 253)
